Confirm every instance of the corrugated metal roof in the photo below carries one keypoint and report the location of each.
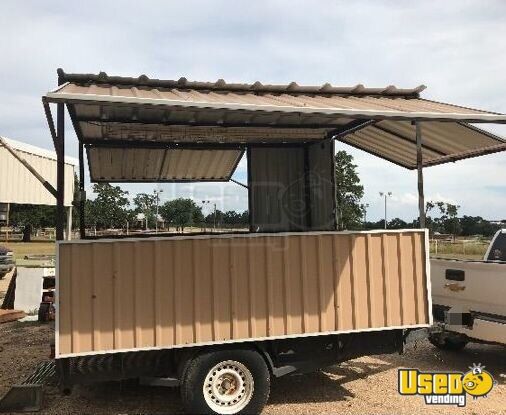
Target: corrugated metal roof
(18, 185)
(139, 112)
(25, 148)
(330, 105)
(157, 164)
(442, 142)
(144, 81)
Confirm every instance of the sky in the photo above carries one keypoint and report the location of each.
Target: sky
(455, 48)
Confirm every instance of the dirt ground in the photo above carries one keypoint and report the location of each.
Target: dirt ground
(361, 386)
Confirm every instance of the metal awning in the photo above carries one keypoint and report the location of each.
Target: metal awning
(287, 104)
(442, 142)
(114, 164)
(141, 129)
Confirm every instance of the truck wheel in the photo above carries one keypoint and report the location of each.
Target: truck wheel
(226, 382)
(447, 343)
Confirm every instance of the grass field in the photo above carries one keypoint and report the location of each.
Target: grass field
(21, 249)
(459, 250)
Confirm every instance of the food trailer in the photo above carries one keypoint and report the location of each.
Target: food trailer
(222, 314)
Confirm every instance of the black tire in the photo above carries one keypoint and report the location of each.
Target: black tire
(198, 368)
(448, 343)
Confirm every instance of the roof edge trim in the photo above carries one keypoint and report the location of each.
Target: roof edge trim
(222, 85)
(350, 113)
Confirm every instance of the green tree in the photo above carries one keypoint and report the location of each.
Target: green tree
(349, 192)
(451, 223)
(447, 222)
(109, 209)
(36, 216)
(146, 204)
(397, 223)
(476, 225)
(215, 217)
(244, 220)
(181, 213)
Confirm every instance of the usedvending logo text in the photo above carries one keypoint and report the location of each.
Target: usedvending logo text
(446, 388)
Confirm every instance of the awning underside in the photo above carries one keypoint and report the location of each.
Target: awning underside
(161, 165)
(443, 142)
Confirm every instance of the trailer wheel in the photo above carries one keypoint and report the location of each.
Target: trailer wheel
(226, 382)
(447, 343)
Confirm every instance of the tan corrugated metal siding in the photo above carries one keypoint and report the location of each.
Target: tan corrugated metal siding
(158, 164)
(18, 185)
(442, 142)
(127, 295)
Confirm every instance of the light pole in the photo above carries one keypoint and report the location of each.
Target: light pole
(366, 206)
(157, 199)
(204, 202)
(385, 195)
(215, 217)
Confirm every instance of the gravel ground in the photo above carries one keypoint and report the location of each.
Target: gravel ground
(361, 386)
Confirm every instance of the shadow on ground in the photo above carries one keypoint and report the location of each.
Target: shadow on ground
(338, 383)
(327, 385)
(424, 356)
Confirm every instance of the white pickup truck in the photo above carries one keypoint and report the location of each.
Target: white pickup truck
(469, 298)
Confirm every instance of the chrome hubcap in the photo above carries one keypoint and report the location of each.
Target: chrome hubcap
(228, 387)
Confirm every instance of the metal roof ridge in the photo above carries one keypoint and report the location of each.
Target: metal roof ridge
(292, 88)
(36, 151)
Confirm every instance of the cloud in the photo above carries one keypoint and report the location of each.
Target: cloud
(454, 47)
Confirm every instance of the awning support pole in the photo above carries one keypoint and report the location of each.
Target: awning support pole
(419, 166)
(307, 188)
(69, 224)
(60, 169)
(82, 193)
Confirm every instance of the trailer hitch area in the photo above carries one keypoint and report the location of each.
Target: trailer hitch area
(438, 332)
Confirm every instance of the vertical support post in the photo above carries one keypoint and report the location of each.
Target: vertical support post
(307, 188)
(69, 224)
(82, 193)
(333, 181)
(250, 189)
(60, 172)
(419, 166)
